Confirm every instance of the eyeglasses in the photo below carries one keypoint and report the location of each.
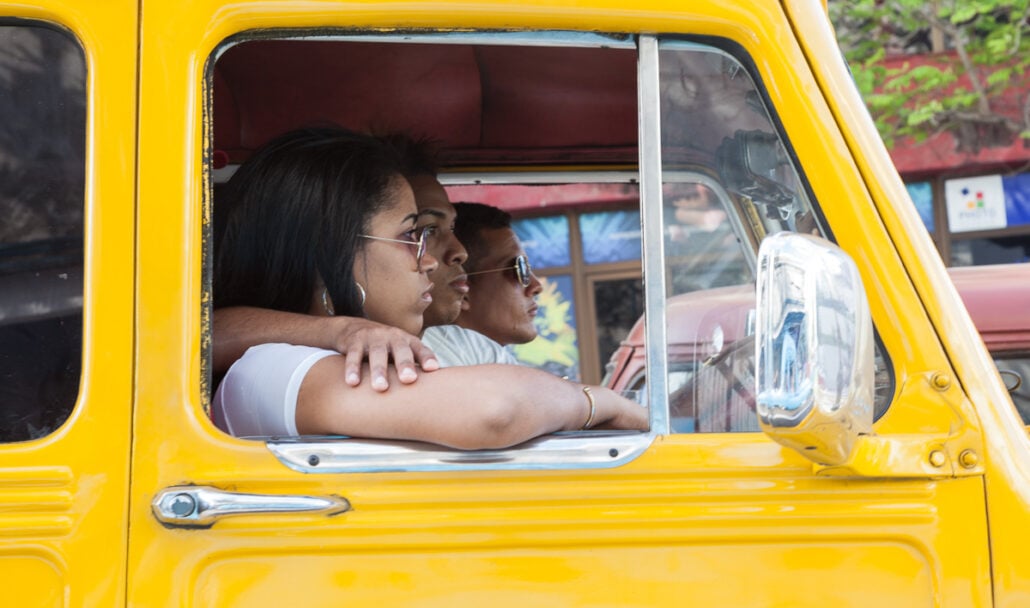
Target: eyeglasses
(523, 271)
(420, 243)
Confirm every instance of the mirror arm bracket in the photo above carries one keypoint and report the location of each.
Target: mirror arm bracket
(954, 452)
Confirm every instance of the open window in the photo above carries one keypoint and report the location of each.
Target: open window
(642, 175)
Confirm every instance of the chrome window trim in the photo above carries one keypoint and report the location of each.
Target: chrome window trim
(527, 178)
(559, 451)
(653, 229)
(543, 38)
(538, 38)
(472, 178)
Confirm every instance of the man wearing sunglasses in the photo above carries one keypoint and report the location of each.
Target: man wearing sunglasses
(503, 289)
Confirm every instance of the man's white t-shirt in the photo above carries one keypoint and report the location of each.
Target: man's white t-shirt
(456, 346)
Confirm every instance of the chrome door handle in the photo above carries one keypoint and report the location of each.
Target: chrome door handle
(201, 507)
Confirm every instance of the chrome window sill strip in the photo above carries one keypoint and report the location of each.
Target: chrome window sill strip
(567, 450)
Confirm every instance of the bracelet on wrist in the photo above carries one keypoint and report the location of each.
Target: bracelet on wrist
(593, 408)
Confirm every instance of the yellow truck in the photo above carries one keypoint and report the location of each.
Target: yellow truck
(884, 465)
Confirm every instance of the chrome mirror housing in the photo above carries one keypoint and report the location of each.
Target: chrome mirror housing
(814, 348)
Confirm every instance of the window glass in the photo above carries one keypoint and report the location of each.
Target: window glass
(545, 239)
(922, 196)
(42, 174)
(1017, 199)
(701, 247)
(998, 250)
(610, 236)
(728, 181)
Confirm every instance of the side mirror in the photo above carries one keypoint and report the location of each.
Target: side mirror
(814, 348)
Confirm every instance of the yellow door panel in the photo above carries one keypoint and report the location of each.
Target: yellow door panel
(720, 519)
(673, 574)
(64, 476)
(637, 537)
(41, 579)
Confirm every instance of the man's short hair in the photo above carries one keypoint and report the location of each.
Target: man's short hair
(419, 154)
(471, 220)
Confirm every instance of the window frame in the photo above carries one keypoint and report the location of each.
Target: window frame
(568, 450)
(338, 454)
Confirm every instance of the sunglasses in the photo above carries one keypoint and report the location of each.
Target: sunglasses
(419, 242)
(523, 271)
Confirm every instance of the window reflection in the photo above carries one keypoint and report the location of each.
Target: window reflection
(42, 176)
(728, 181)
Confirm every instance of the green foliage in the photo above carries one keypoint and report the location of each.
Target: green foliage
(924, 114)
(977, 49)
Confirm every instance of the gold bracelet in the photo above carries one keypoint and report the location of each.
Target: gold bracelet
(593, 408)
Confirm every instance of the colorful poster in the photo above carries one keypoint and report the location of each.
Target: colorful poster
(975, 203)
(610, 236)
(545, 239)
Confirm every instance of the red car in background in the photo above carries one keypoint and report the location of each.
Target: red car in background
(711, 351)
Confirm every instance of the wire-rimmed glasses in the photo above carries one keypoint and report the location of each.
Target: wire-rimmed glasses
(420, 243)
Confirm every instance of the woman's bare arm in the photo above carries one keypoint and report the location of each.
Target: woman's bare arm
(235, 329)
(474, 407)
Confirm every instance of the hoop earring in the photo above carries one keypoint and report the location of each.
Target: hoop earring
(326, 303)
(362, 290)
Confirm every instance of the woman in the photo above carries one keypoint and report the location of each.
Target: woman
(320, 221)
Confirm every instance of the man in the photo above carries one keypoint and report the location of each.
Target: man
(452, 345)
(450, 285)
(502, 299)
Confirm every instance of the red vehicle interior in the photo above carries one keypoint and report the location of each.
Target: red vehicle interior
(486, 104)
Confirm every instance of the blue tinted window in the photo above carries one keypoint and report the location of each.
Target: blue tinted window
(922, 196)
(555, 348)
(42, 191)
(998, 250)
(545, 239)
(610, 236)
(1017, 199)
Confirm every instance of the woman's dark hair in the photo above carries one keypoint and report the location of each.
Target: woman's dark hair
(294, 213)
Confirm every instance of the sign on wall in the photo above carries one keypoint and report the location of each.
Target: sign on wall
(975, 203)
